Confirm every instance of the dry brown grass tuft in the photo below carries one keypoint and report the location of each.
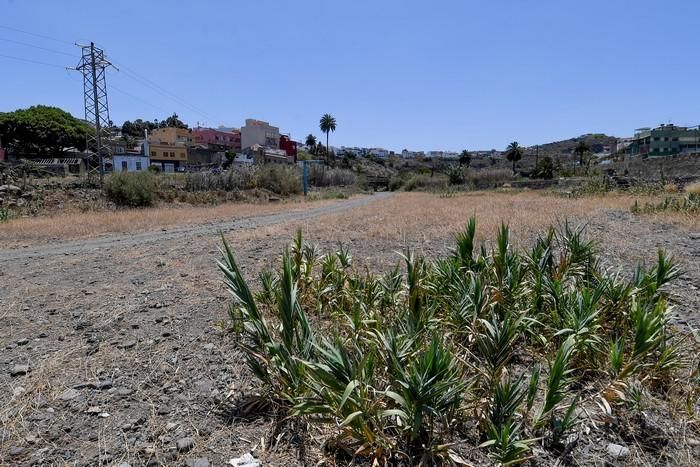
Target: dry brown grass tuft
(693, 188)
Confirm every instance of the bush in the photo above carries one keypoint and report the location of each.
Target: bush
(239, 178)
(320, 176)
(488, 178)
(509, 342)
(455, 174)
(281, 179)
(544, 168)
(133, 189)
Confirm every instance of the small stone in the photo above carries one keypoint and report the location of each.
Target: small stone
(24, 341)
(246, 460)
(618, 451)
(94, 410)
(184, 444)
(126, 345)
(18, 370)
(69, 394)
(124, 464)
(18, 391)
(163, 410)
(170, 426)
(16, 451)
(209, 346)
(198, 462)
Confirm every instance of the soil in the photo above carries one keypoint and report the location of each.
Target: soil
(115, 349)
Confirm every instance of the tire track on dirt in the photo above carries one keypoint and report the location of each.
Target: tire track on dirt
(134, 239)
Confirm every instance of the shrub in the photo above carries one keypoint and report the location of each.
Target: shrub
(6, 214)
(133, 189)
(544, 168)
(230, 180)
(281, 179)
(488, 178)
(321, 176)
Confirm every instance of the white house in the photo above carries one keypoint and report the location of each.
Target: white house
(130, 162)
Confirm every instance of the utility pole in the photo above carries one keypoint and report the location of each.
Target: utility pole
(92, 65)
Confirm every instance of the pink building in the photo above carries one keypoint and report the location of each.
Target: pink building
(228, 139)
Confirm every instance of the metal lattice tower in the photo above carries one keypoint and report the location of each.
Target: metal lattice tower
(92, 65)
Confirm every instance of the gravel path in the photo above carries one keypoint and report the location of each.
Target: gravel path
(134, 239)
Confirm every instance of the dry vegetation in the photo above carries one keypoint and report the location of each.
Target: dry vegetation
(83, 225)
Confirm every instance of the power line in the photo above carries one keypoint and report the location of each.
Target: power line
(33, 61)
(38, 47)
(163, 92)
(36, 35)
(121, 91)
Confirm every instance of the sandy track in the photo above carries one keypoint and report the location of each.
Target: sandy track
(141, 238)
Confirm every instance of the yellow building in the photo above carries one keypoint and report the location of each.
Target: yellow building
(168, 147)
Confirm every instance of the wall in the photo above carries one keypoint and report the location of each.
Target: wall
(132, 163)
(259, 132)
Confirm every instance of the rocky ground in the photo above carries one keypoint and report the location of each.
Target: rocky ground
(114, 350)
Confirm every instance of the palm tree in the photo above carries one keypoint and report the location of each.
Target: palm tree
(581, 149)
(465, 158)
(514, 153)
(327, 124)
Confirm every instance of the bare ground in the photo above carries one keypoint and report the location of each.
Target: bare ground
(125, 351)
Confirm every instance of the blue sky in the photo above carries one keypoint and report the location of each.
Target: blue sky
(397, 74)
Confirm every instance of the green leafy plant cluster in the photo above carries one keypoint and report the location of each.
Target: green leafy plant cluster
(687, 203)
(6, 214)
(132, 189)
(397, 366)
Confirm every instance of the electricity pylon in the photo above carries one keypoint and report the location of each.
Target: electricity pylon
(92, 65)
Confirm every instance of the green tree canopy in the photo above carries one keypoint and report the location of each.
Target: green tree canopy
(514, 152)
(581, 149)
(465, 158)
(42, 130)
(327, 124)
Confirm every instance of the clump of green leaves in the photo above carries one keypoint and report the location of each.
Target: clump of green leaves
(394, 365)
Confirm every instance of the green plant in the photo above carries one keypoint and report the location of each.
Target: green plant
(516, 342)
(6, 214)
(133, 189)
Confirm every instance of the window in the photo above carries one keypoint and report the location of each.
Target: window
(125, 167)
(138, 165)
(172, 154)
(153, 154)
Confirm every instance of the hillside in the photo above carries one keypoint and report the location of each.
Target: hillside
(595, 141)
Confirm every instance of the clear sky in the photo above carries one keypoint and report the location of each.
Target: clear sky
(397, 74)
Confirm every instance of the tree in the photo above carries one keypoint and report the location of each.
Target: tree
(311, 143)
(42, 130)
(465, 158)
(173, 121)
(514, 152)
(327, 124)
(544, 168)
(581, 150)
(137, 128)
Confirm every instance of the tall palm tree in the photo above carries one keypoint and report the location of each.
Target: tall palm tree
(514, 152)
(311, 143)
(327, 124)
(581, 149)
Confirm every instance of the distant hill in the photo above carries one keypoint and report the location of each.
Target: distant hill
(595, 141)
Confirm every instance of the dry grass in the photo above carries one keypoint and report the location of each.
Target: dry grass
(425, 217)
(693, 188)
(68, 226)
